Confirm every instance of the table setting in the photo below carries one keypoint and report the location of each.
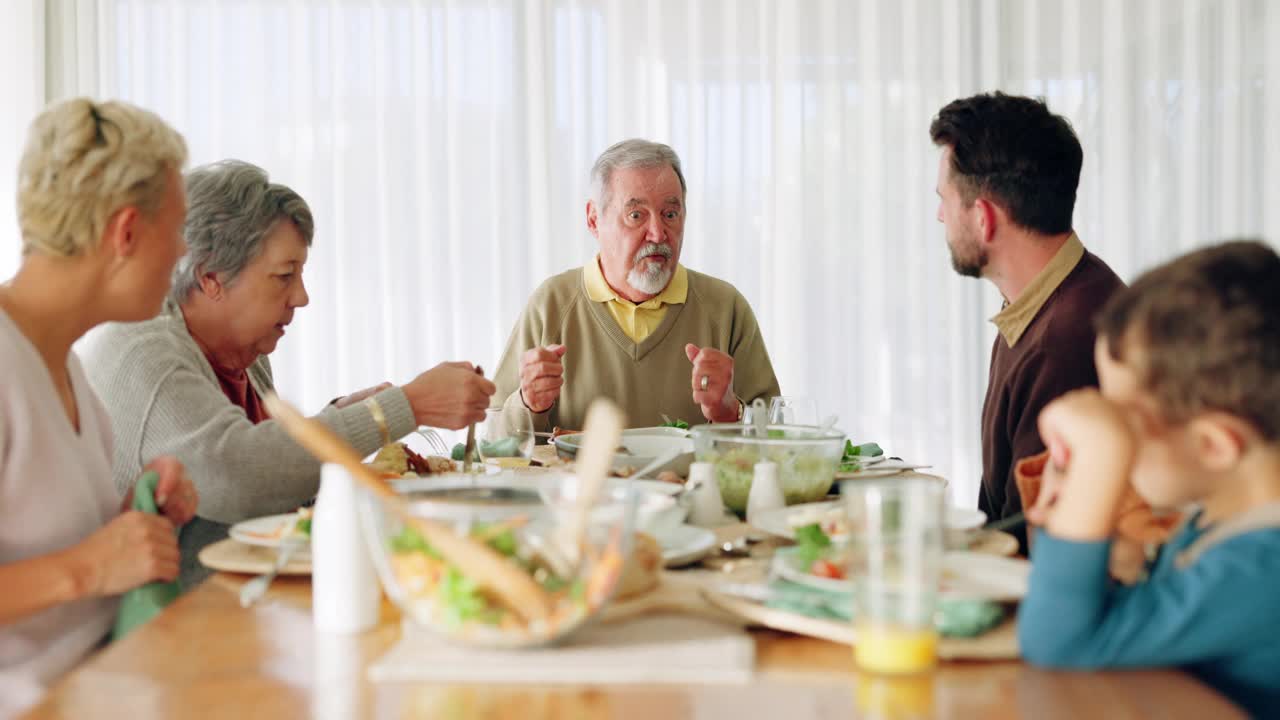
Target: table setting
(638, 583)
(724, 530)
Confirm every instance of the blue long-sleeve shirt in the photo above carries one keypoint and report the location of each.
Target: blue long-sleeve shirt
(1217, 617)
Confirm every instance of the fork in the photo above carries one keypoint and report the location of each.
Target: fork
(253, 590)
(434, 441)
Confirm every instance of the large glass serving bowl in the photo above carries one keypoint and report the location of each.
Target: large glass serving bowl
(516, 524)
(806, 456)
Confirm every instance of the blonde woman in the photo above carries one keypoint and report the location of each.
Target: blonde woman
(101, 206)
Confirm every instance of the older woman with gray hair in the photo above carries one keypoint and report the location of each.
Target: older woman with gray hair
(190, 381)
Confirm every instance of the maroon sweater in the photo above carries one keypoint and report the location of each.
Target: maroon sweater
(1053, 356)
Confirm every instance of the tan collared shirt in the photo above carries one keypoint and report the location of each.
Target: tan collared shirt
(1014, 317)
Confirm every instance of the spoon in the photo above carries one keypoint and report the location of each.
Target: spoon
(760, 417)
(737, 546)
(562, 552)
(656, 463)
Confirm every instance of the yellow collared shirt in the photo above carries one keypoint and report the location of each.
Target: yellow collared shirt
(638, 321)
(1014, 317)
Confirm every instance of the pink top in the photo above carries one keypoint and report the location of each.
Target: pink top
(55, 491)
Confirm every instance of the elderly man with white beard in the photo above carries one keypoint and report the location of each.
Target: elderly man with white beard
(634, 324)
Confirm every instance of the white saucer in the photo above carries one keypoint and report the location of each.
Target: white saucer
(686, 545)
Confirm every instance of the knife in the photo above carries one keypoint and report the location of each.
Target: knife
(471, 437)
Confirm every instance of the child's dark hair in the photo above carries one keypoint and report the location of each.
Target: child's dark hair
(1206, 328)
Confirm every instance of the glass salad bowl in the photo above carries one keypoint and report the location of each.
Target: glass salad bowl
(473, 565)
(806, 456)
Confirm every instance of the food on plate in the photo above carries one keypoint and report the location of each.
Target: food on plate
(677, 423)
(640, 573)
(670, 476)
(854, 455)
(812, 542)
(302, 525)
(827, 569)
(297, 525)
(397, 459)
(821, 555)
(816, 554)
(557, 431)
(443, 595)
(831, 521)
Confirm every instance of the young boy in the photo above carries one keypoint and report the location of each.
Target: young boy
(1188, 414)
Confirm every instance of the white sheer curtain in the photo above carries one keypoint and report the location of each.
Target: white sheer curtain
(22, 72)
(444, 146)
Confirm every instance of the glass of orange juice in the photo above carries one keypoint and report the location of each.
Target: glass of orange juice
(895, 531)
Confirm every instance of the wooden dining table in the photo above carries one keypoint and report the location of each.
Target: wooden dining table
(207, 657)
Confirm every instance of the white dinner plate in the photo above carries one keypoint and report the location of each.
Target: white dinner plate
(642, 445)
(262, 531)
(965, 576)
(233, 556)
(685, 545)
(883, 467)
(783, 521)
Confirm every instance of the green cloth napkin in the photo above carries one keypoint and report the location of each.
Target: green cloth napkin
(955, 617)
(502, 447)
(141, 604)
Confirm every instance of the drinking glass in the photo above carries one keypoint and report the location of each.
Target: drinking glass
(506, 433)
(896, 528)
(793, 410)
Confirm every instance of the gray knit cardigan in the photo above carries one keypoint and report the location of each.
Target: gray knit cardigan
(164, 399)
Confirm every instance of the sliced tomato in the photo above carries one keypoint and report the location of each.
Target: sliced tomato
(827, 569)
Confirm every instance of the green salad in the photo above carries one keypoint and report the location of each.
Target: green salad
(811, 543)
(855, 454)
(803, 475)
(502, 447)
(457, 599)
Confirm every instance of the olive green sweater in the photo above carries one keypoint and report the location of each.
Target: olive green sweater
(646, 379)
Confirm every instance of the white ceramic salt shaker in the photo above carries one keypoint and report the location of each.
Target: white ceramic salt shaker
(765, 493)
(345, 596)
(708, 507)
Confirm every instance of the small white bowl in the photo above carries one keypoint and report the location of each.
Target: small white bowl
(659, 515)
(962, 525)
(657, 512)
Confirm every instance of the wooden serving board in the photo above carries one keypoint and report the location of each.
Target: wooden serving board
(1000, 643)
(679, 593)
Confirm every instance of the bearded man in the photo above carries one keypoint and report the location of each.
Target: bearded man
(1007, 179)
(635, 325)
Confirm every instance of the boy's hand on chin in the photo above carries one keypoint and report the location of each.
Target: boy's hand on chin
(1091, 448)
